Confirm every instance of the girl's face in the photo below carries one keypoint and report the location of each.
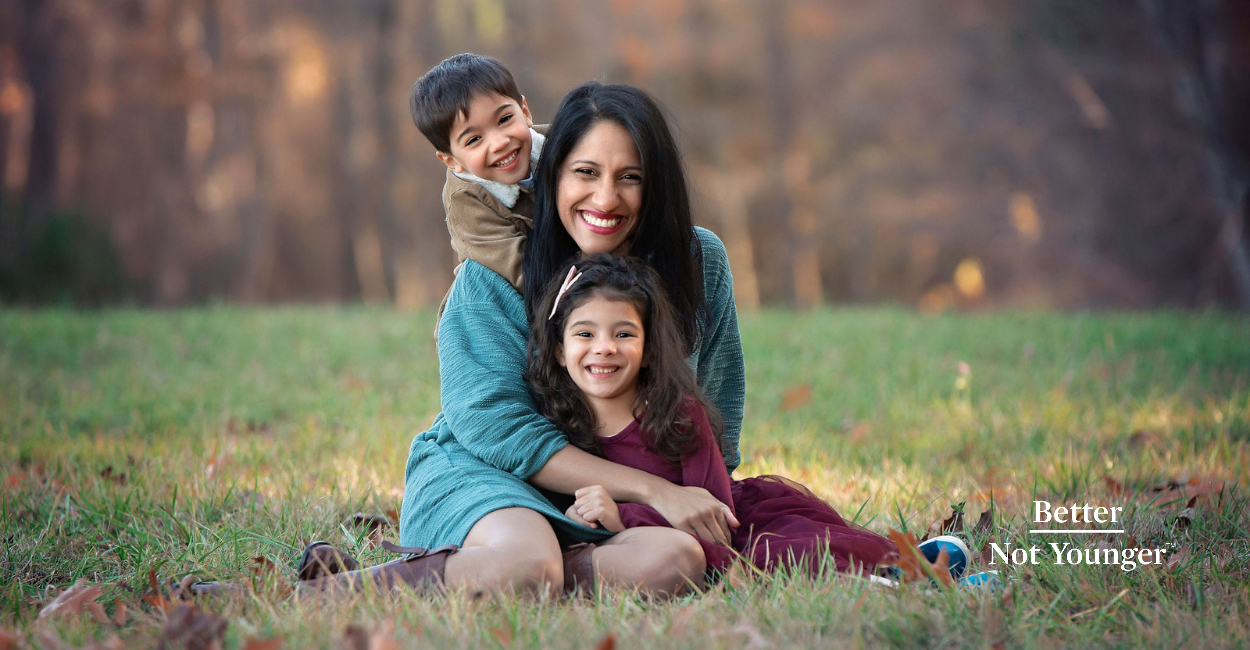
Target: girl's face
(602, 349)
(600, 190)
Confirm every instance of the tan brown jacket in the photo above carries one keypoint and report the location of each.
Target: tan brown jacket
(486, 230)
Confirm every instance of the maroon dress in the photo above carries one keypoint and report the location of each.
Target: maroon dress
(782, 522)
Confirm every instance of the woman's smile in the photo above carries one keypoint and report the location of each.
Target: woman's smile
(600, 190)
(603, 223)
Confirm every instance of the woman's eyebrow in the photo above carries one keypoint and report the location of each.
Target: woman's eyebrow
(583, 161)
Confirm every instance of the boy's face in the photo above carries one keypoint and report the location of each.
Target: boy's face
(492, 141)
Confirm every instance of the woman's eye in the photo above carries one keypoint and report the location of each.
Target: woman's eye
(632, 178)
(585, 171)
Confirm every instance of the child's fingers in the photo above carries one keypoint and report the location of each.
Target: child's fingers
(587, 491)
(729, 517)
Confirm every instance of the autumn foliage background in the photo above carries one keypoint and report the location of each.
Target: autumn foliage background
(1034, 154)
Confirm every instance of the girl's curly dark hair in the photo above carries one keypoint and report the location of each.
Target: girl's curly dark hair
(664, 382)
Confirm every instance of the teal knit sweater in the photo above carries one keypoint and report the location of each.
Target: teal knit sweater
(489, 439)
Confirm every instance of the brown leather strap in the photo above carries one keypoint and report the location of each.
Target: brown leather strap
(579, 571)
(415, 552)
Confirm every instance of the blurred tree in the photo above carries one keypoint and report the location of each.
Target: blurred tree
(1211, 41)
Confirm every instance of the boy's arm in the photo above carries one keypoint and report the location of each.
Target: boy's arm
(481, 234)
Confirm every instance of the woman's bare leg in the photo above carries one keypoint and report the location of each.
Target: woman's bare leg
(513, 549)
(654, 559)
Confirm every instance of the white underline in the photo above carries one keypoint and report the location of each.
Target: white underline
(1084, 530)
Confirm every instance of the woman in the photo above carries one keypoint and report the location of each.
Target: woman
(609, 180)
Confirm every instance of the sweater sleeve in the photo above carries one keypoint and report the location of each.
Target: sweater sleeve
(481, 358)
(721, 370)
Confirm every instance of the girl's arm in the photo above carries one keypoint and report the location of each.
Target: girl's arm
(488, 409)
(721, 371)
(704, 468)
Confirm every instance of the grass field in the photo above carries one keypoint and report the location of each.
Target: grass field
(195, 441)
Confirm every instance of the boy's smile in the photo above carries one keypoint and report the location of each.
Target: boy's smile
(492, 141)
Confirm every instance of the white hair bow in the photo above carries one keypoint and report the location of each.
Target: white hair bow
(568, 282)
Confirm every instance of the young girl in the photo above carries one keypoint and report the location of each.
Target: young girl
(606, 366)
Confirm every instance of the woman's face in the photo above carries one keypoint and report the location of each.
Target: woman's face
(600, 191)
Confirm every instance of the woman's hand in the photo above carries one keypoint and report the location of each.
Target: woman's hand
(695, 511)
(595, 506)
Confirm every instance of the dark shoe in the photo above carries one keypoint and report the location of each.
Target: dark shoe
(321, 559)
(420, 569)
(579, 571)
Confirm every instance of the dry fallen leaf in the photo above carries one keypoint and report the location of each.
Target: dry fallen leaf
(71, 601)
(913, 563)
(503, 635)
(192, 628)
(97, 612)
(955, 522)
(157, 598)
(119, 612)
(985, 524)
(9, 640)
(608, 642)
(796, 397)
(264, 644)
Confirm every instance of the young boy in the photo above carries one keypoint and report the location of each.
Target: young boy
(469, 108)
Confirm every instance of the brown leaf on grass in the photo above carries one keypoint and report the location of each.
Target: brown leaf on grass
(860, 431)
(13, 480)
(1143, 438)
(216, 462)
(157, 598)
(119, 612)
(796, 397)
(382, 637)
(264, 644)
(9, 640)
(955, 522)
(267, 573)
(1009, 597)
(72, 601)
(373, 522)
(608, 642)
(192, 628)
(97, 612)
(108, 475)
(503, 635)
(985, 523)
(393, 513)
(913, 563)
(1116, 487)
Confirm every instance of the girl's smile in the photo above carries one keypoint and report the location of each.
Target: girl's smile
(600, 190)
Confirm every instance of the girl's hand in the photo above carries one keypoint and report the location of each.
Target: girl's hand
(571, 513)
(695, 511)
(594, 505)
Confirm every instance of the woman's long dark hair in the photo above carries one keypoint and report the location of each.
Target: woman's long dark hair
(665, 382)
(664, 236)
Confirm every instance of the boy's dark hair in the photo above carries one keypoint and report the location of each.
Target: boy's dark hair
(664, 236)
(666, 385)
(444, 93)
